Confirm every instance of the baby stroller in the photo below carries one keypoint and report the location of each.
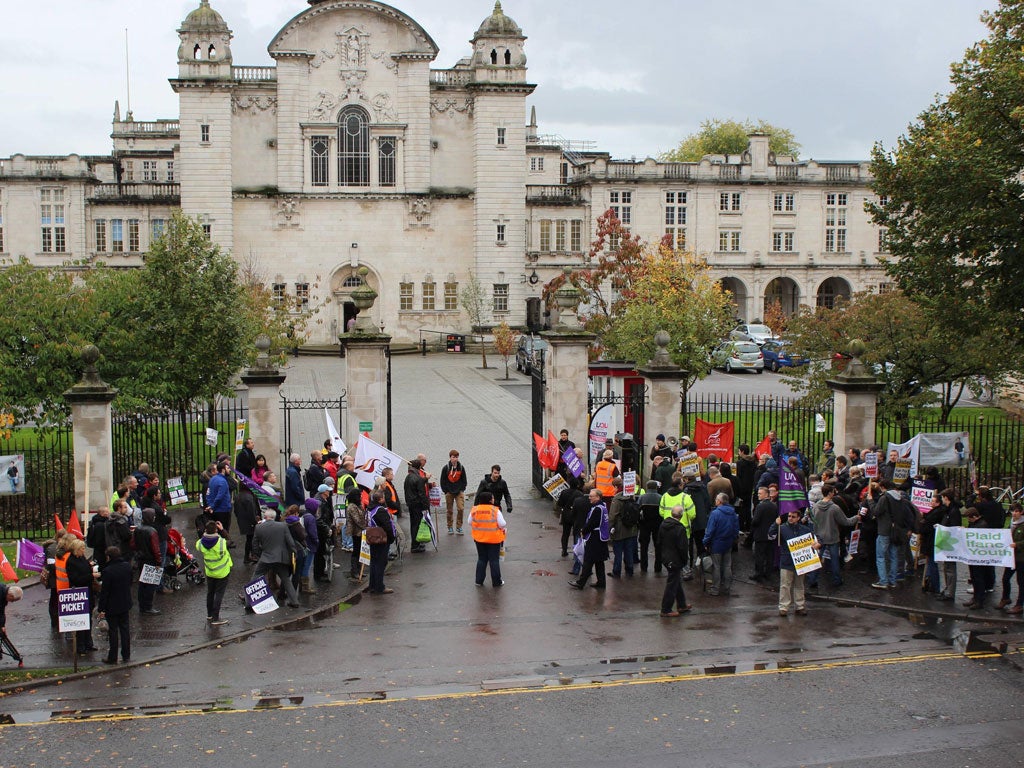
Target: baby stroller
(180, 561)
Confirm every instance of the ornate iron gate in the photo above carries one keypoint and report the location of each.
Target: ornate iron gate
(304, 418)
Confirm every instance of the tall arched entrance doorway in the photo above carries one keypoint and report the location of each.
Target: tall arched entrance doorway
(784, 292)
(832, 290)
(343, 282)
(738, 293)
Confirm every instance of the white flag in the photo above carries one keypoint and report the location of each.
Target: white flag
(372, 458)
(337, 444)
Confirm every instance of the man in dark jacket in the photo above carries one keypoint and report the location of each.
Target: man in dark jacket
(565, 502)
(497, 486)
(315, 474)
(453, 486)
(746, 466)
(417, 500)
(293, 492)
(245, 461)
(115, 603)
(273, 544)
(764, 515)
(146, 542)
(662, 472)
(673, 549)
(887, 554)
(96, 538)
(791, 584)
(695, 489)
(722, 532)
(650, 523)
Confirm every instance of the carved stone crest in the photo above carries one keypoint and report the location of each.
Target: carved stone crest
(288, 213)
(419, 214)
(324, 108)
(384, 109)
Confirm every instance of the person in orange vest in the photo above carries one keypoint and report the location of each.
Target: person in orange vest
(605, 470)
(488, 528)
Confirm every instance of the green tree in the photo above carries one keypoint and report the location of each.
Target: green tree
(951, 196)
(922, 357)
(476, 303)
(504, 343)
(43, 328)
(730, 137)
(674, 292)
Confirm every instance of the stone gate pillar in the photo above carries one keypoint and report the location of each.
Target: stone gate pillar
(663, 377)
(855, 403)
(366, 371)
(90, 401)
(263, 381)
(567, 369)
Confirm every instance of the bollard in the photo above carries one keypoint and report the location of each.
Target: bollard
(423, 347)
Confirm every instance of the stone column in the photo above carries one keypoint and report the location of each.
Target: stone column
(567, 368)
(90, 401)
(366, 371)
(663, 377)
(264, 381)
(855, 397)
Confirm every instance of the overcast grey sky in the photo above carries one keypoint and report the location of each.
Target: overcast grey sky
(634, 77)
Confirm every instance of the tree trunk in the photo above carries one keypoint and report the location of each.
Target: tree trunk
(483, 352)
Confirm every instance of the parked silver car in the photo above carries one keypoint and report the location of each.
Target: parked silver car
(528, 350)
(755, 332)
(738, 356)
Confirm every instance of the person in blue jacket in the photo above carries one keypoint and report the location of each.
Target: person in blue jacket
(719, 537)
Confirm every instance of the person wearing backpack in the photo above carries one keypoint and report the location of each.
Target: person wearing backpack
(624, 519)
(650, 523)
(829, 519)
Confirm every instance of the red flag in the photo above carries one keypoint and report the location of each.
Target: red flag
(74, 526)
(714, 439)
(551, 451)
(541, 445)
(6, 569)
(764, 448)
(58, 525)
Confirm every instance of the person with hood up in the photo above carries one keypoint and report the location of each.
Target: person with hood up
(770, 476)
(828, 519)
(719, 537)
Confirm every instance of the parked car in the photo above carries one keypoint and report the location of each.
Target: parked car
(755, 332)
(528, 350)
(779, 354)
(738, 356)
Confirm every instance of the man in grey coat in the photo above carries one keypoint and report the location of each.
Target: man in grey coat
(274, 544)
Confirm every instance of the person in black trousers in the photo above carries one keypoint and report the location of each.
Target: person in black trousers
(674, 550)
(595, 552)
(116, 604)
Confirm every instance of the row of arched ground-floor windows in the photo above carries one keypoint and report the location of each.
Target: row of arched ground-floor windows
(786, 293)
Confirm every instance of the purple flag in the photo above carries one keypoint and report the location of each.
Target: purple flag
(572, 461)
(792, 496)
(30, 556)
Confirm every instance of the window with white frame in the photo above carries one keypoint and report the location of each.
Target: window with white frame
(51, 220)
(133, 235)
(100, 235)
(319, 162)
(451, 296)
(499, 235)
(156, 230)
(208, 231)
(730, 202)
(302, 295)
(429, 297)
(170, 170)
(835, 222)
(500, 297)
(405, 297)
(576, 235)
(116, 236)
(353, 147)
(675, 218)
(545, 235)
(204, 133)
(278, 291)
(128, 170)
(560, 232)
(386, 161)
(501, 137)
(149, 170)
(883, 240)
(621, 204)
(782, 241)
(536, 164)
(729, 240)
(784, 202)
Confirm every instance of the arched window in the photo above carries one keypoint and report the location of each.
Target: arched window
(508, 57)
(197, 53)
(352, 281)
(494, 55)
(212, 53)
(353, 147)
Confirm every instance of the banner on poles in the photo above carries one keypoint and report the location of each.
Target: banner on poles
(974, 546)
(714, 439)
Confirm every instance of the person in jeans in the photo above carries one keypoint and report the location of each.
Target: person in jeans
(379, 516)
(828, 519)
(883, 500)
(488, 528)
(721, 534)
(217, 564)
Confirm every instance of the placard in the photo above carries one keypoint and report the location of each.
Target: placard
(805, 557)
(259, 597)
(870, 464)
(435, 496)
(73, 610)
(629, 483)
(974, 546)
(689, 464)
(901, 472)
(364, 551)
(921, 495)
(854, 542)
(555, 485)
(151, 574)
(239, 434)
(176, 491)
(573, 462)
(211, 437)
